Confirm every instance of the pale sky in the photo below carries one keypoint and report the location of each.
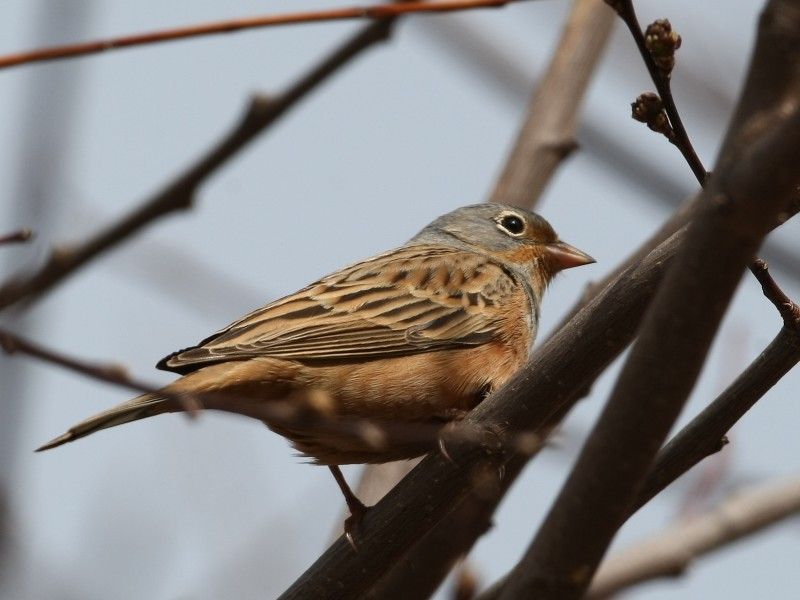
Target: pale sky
(220, 507)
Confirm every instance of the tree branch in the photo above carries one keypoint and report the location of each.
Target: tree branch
(370, 12)
(180, 193)
(705, 434)
(16, 237)
(662, 81)
(558, 371)
(672, 552)
(755, 179)
(547, 135)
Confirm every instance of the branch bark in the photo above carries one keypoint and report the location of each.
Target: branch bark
(754, 181)
(705, 434)
(370, 12)
(672, 552)
(547, 136)
(179, 194)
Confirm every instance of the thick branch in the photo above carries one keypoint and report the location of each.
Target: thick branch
(672, 552)
(705, 434)
(754, 180)
(371, 12)
(547, 136)
(180, 192)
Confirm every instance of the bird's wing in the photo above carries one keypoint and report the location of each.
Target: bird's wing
(406, 301)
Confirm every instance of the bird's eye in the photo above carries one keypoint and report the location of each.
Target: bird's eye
(512, 224)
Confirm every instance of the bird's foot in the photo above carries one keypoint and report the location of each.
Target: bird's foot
(352, 524)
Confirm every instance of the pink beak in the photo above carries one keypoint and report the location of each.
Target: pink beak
(564, 256)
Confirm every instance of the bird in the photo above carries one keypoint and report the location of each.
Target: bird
(420, 334)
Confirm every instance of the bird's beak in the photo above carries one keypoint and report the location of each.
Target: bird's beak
(563, 256)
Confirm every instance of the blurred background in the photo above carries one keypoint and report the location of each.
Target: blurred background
(220, 507)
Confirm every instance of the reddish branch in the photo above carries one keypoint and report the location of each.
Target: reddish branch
(179, 194)
(756, 178)
(370, 12)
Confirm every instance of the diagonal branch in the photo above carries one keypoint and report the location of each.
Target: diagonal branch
(370, 12)
(754, 180)
(705, 434)
(179, 194)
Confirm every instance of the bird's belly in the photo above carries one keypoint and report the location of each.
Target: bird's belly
(424, 388)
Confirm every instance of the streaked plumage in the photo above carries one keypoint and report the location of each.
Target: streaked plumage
(417, 334)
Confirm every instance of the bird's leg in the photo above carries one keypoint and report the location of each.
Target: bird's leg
(355, 506)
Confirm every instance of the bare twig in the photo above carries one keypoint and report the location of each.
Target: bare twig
(378, 433)
(672, 552)
(788, 310)
(109, 373)
(547, 135)
(16, 237)
(179, 194)
(369, 12)
(753, 183)
(661, 79)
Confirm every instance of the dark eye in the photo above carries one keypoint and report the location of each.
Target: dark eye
(512, 224)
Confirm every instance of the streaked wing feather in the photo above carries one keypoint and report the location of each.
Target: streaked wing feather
(410, 300)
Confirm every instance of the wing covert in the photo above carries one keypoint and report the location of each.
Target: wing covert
(406, 301)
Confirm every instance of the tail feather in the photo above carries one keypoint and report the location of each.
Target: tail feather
(140, 407)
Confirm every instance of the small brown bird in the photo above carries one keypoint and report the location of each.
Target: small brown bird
(419, 334)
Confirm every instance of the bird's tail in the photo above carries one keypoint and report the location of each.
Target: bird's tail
(146, 405)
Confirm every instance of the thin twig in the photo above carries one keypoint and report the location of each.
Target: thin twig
(288, 414)
(179, 194)
(16, 237)
(369, 12)
(109, 373)
(672, 552)
(789, 311)
(681, 140)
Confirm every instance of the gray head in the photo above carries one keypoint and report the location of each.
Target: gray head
(516, 236)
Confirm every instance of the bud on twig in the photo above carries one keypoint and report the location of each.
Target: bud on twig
(662, 42)
(649, 109)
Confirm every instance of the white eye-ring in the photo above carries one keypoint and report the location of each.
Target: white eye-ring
(511, 223)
